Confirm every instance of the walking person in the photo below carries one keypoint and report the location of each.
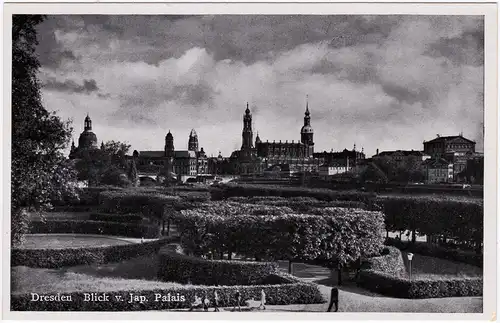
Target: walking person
(216, 302)
(262, 300)
(206, 302)
(334, 299)
(237, 296)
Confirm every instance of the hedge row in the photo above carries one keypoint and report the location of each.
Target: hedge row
(282, 294)
(298, 204)
(452, 218)
(224, 191)
(150, 204)
(387, 275)
(96, 227)
(57, 258)
(432, 250)
(266, 232)
(181, 268)
(110, 217)
(389, 285)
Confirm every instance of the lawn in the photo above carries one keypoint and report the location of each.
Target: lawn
(63, 241)
(430, 267)
(59, 215)
(42, 280)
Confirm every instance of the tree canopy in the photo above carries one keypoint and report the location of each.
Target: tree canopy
(39, 172)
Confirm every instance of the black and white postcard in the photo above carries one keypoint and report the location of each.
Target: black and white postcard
(258, 160)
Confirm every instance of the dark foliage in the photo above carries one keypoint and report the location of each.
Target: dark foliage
(131, 230)
(57, 258)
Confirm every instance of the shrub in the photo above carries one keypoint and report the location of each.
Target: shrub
(181, 268)
(461, 220)
(136, 201)
(282, 294)
(334, 235)
(429, 249)
(96, 227)
(126, 218)
(224, 191)
(386, 274)
(57, 258)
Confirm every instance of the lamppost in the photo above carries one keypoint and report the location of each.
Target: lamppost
(410, 257)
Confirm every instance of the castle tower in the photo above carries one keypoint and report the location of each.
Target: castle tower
(169, 145)
(307, 132)
(193, 141)
(247, 135)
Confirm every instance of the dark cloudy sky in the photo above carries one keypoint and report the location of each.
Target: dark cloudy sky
(386, 82)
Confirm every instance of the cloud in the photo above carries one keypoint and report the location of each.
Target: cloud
(71, 86)
(386, 82)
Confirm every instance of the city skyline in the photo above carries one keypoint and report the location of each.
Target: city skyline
(380, 82)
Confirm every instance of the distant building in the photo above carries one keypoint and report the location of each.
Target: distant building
(86, 141)
(455, 149)
(190, 162)
(438, 170)
(402, 156)
(255, 157)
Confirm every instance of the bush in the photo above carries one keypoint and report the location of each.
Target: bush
(224, 191)
(96, 227)
(386, 274)
(126, 218)
(150, 204)
(181, 268)
(283, 294)
(428, 249)
(334, 235)
(57, 258)
(452, 218)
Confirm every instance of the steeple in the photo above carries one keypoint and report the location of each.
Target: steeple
(307, 132)
(193, 141)
(87, 124)
(169, 144)
(247, 134)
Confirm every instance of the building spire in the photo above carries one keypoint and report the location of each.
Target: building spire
(307, 104)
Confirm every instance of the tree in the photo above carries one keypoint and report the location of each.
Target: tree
(39, 172)
(107, 165)
(373, 173)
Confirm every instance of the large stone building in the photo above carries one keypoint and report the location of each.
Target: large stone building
(86, 141)
(255, 157)
(179, 163)
(457, 150)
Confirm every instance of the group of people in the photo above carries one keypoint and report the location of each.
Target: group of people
(205, 302)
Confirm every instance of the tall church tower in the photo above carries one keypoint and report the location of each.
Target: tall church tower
(307, 132)
(247, 134)
(193, 141)
(169, 145)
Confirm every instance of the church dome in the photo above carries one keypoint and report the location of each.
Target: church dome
(169, 135)
(87, 139)
(307, 129)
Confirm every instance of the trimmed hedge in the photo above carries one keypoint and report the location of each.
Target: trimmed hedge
(125, 218)
(224, 191)
(95, 227)
(181, 268)
(150, 204)
(449, 217)
(57, 258)
(429, 249)
(384, 275)
(283, 294)
(335, 235)
(298, 204)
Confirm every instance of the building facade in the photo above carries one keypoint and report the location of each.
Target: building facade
(438, 170)
(171, 162)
